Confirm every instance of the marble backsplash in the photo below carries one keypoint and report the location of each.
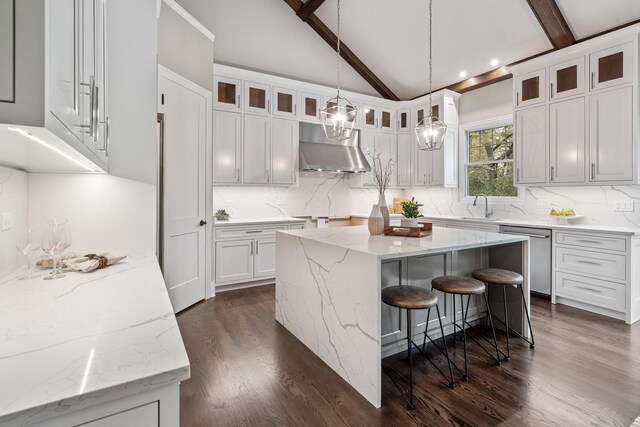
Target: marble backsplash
(318, 194)
(595, 203)
(14, 200)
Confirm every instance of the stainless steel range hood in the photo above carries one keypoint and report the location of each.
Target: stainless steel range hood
(317, 153)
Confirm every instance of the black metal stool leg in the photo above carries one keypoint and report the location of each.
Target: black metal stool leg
(524, 303)
(493, 331)
(426, 328)
(465, 377)
(455, 330)
(452, 384)
(409, 338)
(506, 322)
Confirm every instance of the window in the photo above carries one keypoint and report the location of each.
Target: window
(489, 166)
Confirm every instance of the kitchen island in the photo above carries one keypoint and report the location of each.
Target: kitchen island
(98, 346)
(328, 286)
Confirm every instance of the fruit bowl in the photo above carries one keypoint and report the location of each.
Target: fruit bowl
(564, 219)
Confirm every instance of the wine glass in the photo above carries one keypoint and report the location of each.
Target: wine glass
(55, 240)
(27, 243)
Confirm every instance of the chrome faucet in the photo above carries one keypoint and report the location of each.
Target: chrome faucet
(487, 212)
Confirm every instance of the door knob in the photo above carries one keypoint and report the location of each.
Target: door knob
(203, 222)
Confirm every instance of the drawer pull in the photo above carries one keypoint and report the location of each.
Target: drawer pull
(597, 291)
(253, 231)
(589, 241)
(588, 262)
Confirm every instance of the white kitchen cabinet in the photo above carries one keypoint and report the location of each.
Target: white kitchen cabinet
(284, 151)
(530, 88)
(611, 142)
(234, 260)
(310, 104)
(264, 260)
(228, 93)
(387, 146)
(256, 158)
(404, 120)
(227, 147)
(567, 141)
(369, 117)
(421, 167)
(531, 145)
(429, 167)
(450, 159)
(374, 117)
(285, 102)
(566, 79)
(405, 154)
(420, 112)
(257, 98)
(436, 175)
(387, 120)
(611, 67)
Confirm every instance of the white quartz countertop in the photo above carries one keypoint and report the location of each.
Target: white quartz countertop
(258, 221)
(387, 247)
(629, 231)
(86, 339)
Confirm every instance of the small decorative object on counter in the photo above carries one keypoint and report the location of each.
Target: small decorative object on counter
(562, 216)
(382, 177)
(221, 215)
(411, 212)
(376, 222)
(91, 262)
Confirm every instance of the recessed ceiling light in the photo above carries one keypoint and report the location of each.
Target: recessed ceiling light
(462, 74)
(494, 62)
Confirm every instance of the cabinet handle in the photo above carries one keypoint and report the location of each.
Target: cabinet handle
(589, 289)
(251, 250)
(257, 248)
(95, 117)
(593, 76)
(268, 106)
(268, 175)
(238, 101)
(295, 109)
(551, 91)
(517, 174)
(552, 170)
(517, 99)
(89, 129)
(253, 231)
(589, 241)
(593, 171)
(238, 174)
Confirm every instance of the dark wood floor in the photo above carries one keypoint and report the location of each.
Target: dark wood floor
(247, 370)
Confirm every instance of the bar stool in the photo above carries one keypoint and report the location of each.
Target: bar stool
(506, 278)
(460, 285)
(414, 298)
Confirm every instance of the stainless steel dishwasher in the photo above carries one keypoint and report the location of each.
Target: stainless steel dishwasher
(539, 256)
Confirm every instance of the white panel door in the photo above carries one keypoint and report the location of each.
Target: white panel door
(450, 152)
(567, 141)
(388, 148)
(531, 146)
(435, 175)
(234, 260)
(421, 166)
(405, 150)
(187, 108)
(227, 147)
(284, 151)
(256, 159)
(610, 135)
(264, 258)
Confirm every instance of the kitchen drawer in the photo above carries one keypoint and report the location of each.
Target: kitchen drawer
(605, 265)
(592, 291)
(247, 232)
(592, 241)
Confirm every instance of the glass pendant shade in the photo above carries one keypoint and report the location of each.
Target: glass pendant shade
(430, 133)
(338, 117)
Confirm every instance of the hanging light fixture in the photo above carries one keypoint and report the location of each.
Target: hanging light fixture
(431, 130)
(338, 114)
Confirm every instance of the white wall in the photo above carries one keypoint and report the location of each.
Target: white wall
(13, 199)
(106, 213)
(318, 194)
(595, 202)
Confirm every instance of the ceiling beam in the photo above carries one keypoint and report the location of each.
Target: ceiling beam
(481, 80)
(308, 9)
(347, 54)
(552, 22)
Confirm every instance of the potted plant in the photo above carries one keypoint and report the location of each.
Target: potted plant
(382, 178)
(221, 215)
(411, 213)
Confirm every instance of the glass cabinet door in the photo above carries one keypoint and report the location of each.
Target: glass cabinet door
(611, 67)
(228, 93)
(370, 117)
(530, 88)
(257, 98)
(567, 78)
(387, 120)
(404, 120)
(285, 102)
(310, 105)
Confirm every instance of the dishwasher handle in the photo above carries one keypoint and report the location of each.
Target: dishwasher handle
(535, 236)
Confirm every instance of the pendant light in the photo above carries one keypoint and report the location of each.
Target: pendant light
(431, 130)
(338, 114)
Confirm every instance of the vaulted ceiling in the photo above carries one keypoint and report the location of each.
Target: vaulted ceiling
(390, 37)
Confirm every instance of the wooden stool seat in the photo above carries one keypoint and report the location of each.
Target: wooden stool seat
(498, 276)
(411, 297)
(458, 285)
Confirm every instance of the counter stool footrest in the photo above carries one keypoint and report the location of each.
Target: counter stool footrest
(497, 360)
(514, 332)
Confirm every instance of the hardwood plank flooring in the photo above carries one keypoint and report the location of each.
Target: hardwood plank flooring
(247, 370)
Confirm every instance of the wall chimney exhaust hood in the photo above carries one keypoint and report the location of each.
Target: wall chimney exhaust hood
(317, 153)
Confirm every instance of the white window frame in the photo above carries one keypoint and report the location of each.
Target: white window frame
(464, 160)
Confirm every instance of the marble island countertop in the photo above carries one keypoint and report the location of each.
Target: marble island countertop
(573, 226)
(386, 247)
(257, 221)
(86, 339)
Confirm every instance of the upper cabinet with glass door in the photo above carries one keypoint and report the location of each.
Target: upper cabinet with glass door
(285, 102)
(530, 88)
(378, 118)
(566, 79)
(257, 98)
(404, 120)
(310, 104)
(228, 93)
(611, 67)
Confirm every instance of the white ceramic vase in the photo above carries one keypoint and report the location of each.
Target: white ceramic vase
(384, 209)
(376, 221)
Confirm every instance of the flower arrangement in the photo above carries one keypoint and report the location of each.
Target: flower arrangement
(382, 173)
